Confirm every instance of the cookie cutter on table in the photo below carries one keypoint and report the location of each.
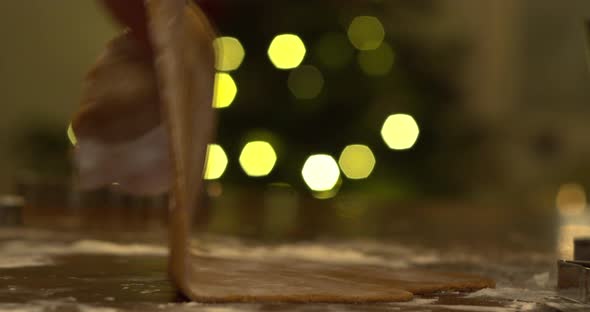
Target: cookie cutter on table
(573, 276)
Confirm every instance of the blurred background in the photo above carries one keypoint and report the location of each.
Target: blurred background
(335, 117)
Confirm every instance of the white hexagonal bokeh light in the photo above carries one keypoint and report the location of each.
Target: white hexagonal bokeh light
(320, 172)
(400, 131)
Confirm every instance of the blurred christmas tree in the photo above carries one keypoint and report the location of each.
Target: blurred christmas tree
(364, 61)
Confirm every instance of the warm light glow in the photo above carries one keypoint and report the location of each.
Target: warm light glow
(357, 161)
(230, 53)
(72, 135)
(366, 32)
(225, 90)
(571, 199)
(400, 131)
(214, 189)
(306, 82)
(565, 239)
(216, 162)
(258, 158)
(377, 62)
(334, 50)
(331, 193)
(320, 172)
(286, 51)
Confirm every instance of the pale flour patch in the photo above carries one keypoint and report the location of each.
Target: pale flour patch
(18, 253)
(519, 294)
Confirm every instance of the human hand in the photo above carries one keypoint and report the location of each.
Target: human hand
(131, 14)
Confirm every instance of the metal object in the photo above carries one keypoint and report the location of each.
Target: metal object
(11, 207)
(582, 249)
(573, 280)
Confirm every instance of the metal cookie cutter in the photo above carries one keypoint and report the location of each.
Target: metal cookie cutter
(573, 276)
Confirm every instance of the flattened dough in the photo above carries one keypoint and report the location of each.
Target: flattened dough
(213, 279)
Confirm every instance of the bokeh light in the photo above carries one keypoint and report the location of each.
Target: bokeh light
(306, 82)
(357, 161)
(286, 51)
(334, 50)
(216, 162)
(400, 131)
(377, 62)
(320, 172)
(225, 90)
(230, 53)
(214, 189)
(72, 135)
(567, 233)
(571, 199)
(366, 33)
(331, 193)
(258, 158)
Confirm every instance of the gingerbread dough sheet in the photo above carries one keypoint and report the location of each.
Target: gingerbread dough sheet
(215, 279)
(176, 136)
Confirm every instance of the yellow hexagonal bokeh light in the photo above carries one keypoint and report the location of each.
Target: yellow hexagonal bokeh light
(331, 193)
(377, 62)
(230, 53)
(334, 50)
(258, 158)
(72, 135)
(305, 82)
(400, 131)
(366, 33)
(357, 161)
(286, 51)
(216, 162)
(320, 172)
(225, 90)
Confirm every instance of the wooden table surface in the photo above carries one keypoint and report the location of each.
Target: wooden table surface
(517, 249)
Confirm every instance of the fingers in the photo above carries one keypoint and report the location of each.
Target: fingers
(131, 14)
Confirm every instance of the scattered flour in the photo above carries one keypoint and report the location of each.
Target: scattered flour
(18, 253)
(221, 309)
(87, 308)
(568, 306)
(519, 294)
(21, 253)
(194, 306)
(19, 308)
(394, 256)
(149, 291)
(19, 261)
(541, 279)
(313, 252)
(519, 306)
(526, 306)
(102, 247)
(60, 305)
(417, 302)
